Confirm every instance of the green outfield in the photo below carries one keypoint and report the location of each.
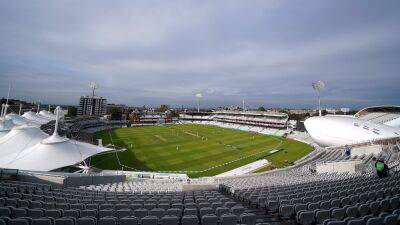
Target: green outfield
(198, 150)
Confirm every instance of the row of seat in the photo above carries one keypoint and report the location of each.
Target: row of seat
(381, 219)
(148, 205)
(369, 192)
(288, 210)
(205, 207)
(246, 219)
(57, 213)
(358, 210)
(356, 185)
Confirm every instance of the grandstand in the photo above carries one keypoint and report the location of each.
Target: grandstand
(270, 123)
(252, 118)
(293, 195)
(325, 186)
(389, 115)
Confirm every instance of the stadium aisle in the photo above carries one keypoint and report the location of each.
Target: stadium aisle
(262, 217)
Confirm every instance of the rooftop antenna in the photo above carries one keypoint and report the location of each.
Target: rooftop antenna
(198, 96)
(93, 86)
(318, 86)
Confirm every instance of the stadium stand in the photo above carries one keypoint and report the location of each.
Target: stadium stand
(271, 123)
(389, 115)
(292, 195)
(275, 198)
(83, 128)
(298, 194)
(33, 203)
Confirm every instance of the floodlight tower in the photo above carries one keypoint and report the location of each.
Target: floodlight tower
(198, 96)
(318, 86)
(93, 86)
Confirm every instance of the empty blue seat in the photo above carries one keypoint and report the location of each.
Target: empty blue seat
(107, 221)
(130, 220)
(86, 221)
(64, 221)
(149, 220)
(169, 220)
(42, 221)
(228, 219)
(209, 219)
(18, 221)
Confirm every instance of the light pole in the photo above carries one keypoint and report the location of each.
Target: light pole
(198, 96)
(318, 86)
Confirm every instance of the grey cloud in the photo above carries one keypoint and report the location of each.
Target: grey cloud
(154, 52)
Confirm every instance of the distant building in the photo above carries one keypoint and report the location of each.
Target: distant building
(92, 106)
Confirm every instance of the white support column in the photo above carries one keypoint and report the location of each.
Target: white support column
(56, 124)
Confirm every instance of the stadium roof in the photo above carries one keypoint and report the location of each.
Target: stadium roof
(18, 139)
(383, 108)
(35, 117)
(52, 153)
(19, 120)
(47, 115)
(341, 130)
(5, 126)
(27, 147)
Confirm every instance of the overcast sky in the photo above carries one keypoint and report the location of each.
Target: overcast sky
(152, 52)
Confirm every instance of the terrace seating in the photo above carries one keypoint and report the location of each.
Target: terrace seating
(111, 208)
(293, 195)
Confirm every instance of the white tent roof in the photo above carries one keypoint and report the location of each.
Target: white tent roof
(2, 133)
(27, 147)
(6, 125)
(19, 120)
(18, 139)
(52, 153)
(35, 117)
(47, 114)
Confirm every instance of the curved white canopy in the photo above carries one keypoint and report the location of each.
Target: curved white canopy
(35, 117)
(342, 130)
(47, 114)
(28, 148)
(6, 125)
(18, 139)
(19, 120)
(52, 153)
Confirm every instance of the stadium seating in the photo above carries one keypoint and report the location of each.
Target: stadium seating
(312, 199)
(292, 195)
(31, 203)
